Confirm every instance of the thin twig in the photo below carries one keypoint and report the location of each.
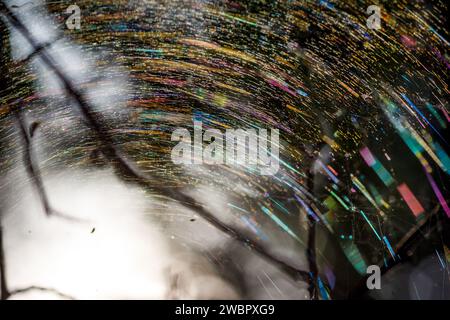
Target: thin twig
(37, 288)
(3, 283)
(39, 49)
(311, 250)
(311, 254)
(33, 170)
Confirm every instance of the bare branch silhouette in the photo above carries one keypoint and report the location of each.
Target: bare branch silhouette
(3, 282)
(43, 289)
(311, 256)
(32, 169)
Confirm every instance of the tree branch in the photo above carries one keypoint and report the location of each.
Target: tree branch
(3, 284)
(37, 288)
(33, 170)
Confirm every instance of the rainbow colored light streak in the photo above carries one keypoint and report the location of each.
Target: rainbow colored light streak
(280, 223)
(410, 199)
(370, 224)
(377, 166)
